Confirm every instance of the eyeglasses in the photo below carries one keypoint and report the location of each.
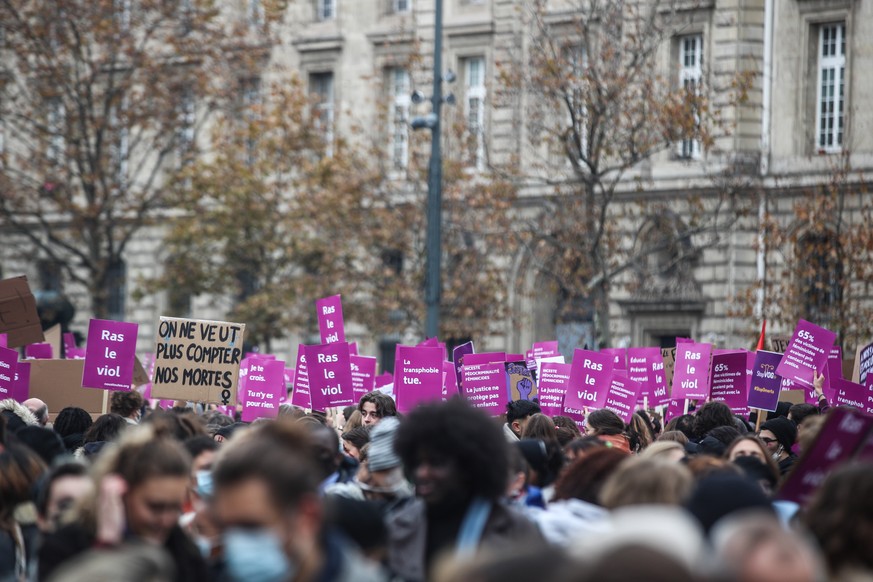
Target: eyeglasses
(769, 440)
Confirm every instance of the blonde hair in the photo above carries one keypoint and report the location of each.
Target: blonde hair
(646, 481)
(661, 450)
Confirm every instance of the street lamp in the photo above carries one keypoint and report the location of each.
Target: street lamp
(433, 282)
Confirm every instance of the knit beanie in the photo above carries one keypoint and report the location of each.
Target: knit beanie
(43, 441)
(723, 494)
(381, 454)
(783, 429)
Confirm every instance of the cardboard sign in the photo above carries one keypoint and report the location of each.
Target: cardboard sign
(450, 381)
(8, 368)
(622, 396)
(330, 319)
(58, 383)
(692, 371)
(554, 378)
(766, 384)
(807, 353)
(265, 384)
(363, 375)
(844, 432)
(589, 380)
(779, 343)
(53, 338)
(418, 376)
(458, 354)
(18, 317)
(669, 357)
(485, 387)
(197, 360)
(301, 396)
(520, 383)
(330, 375)
(41, 351)
(729, 381)
(109, 355)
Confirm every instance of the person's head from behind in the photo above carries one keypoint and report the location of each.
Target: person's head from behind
(72, 420)
(800, 413)
(453, 452)
(127, 404)
(266, 498)
(374, 406)
(539, 426)
(39, 410)
(566, 429)
(604, 422)
(666, 450)
(646, 481)
(711, 415)
(518, 412)
(106, 428)
(674, 436)
(155, 473)
(20, 468)
(325, 447)
(63, 487)
(584, 478)
(683, 424)
(578, 447)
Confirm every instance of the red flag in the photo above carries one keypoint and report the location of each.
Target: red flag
(760, 345)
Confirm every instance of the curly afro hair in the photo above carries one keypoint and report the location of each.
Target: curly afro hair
(468, 436)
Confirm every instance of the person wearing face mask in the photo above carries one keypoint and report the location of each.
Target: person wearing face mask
(127, 405)
(141, 486)
(266, 500)
(779, 434)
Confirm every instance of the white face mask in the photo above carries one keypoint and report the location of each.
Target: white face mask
(777, 453)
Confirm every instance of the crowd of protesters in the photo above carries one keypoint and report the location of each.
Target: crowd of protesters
(441, 493)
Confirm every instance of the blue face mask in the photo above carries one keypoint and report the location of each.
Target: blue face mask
(256, 556)
(204, 484)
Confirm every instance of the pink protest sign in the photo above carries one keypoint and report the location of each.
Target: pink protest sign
(109, 355)
(646, 366)
(552, 386)
(300, 396)
(485, 387)
(450, 381)
(383, 379)
(622, 396)
(4, 341)
(21, 384)
(484, 358)
(353, 348)
(8, 367)
(691, 371)
(766, 385)
(363, 375)
(69, 342)
(435, 343)
(589, 380)
(38, 351)
(418, 376)
(675, 408)
(833, 369)
(243, 377)
(458, 355)
(330, 375)
(729, 381)
(619, 357)
(330, 319)
(848, 393)
(288, 379)
(264, 387)
(807, 353)
(843, 433)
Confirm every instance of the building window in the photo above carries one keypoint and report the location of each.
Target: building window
(474, 109)
(116, 282)
(820, 274)
(387, 354)
(250, 100)
(326, 9)
(121, 9)
(321, 86)
(402, 5)
(185, 124)
(56, 124)
(691, 77)
(120, 149)
(400, 99)
(50, 278)
(576, 63)
(830, 96)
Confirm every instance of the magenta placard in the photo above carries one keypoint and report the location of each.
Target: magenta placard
(766, 385)
(807, 352)
(363, 375)
(330, 375)
(844, 432)
(729, 381)
(109, 355)
(265, 384)
(4, 340)
(691, 371)
(21, 386)
(848, 393)
(833, 369)
(418, 376)
(484, 358)
(8, 367)
(619, 357)
(554, 378)
(484, 386)
(353, 349)
(458, 355)
(622, 396)
(384, 379)
(38, 351)
(675, 409)
(450, 381)
(329, 312)
(589, 380)
(300, 396)
(288, 378)
(646, 366)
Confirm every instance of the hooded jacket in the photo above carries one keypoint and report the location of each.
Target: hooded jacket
(17, 415)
